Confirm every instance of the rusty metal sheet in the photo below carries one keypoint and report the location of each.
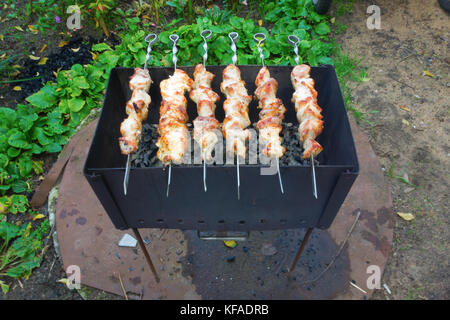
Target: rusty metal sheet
(195, 269)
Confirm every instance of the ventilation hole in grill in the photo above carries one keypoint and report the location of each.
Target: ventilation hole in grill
(201, 221)
(221, 221)
(180, 221)
(242, 222)
(262, 220)
(283, 221)
(160, 220)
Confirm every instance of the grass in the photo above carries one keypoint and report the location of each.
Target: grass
(399, 178)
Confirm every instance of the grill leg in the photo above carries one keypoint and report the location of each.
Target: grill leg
(300, 251)
(147, 256)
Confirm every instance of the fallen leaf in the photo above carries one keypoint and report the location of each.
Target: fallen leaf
(408, 190)
(3, 56)
(146, 17)
(55, 74)
(17, 88)
(62, 43)
(43, 61)
(332, 20)
(428, 74)
(260, 23)
(18, 28)
(43, 48)
(2, 37)
(38, 216)
(76, 50)
(406, 216)
(34, 57)
(16, 66)
(32, 29)
(230, 243)
(62, 34)
(405, 122)
(64, 280)
(405, 108)
(268, 249)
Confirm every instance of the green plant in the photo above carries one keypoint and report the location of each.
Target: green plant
(218, 16)
(399, 178)
(21, 248)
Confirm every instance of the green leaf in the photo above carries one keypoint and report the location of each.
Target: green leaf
(100, 47)
(19, 186)
(4, 286)
(8, 231)
(322, 28)
(40, 135)
(44, 98)
(76, 104)
(17, 139)
(13, 152)
(52, 147)
(19, 203)
(80, 82)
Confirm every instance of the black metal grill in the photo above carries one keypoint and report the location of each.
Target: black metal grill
(261, 206)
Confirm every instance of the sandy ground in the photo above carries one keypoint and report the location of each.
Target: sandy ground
(413, 37)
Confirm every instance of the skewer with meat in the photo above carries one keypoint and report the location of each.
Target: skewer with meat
(205, 125)
(271, 114)
(308, 111)
(137, 111)
(236, 111)
(172, 128)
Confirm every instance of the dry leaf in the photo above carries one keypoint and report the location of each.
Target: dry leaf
(17, 88)
(405, 122)
(64, 280)
(43, 48)
(62, 34)
(428, 74)
(34, 57)
(146, 17)
(405, 108)
(18, 28)
(332, 20)
(2, 37)
(38, 216)
(76, 50)
(16, 66)
(406, 216)
(260, 23)
(3, 56)
(43, 61)
(230, 243)
(62, 43)
(32, 29)
(55, 74)
(94, 56)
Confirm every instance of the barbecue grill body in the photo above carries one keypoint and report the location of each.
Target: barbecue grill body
(189, 207)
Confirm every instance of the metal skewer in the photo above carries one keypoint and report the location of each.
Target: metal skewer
(294, 41)
(206, 34)
(233, 37)
(174, 38)
(149, 39)
(261, 38)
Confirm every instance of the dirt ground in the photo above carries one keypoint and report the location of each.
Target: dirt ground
(413, 37)
(410, 131)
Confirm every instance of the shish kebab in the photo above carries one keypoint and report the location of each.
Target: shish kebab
(205, 125)
(272, 111)
(172, 128)
(308, 111)
(236, 110)
(137, 111)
